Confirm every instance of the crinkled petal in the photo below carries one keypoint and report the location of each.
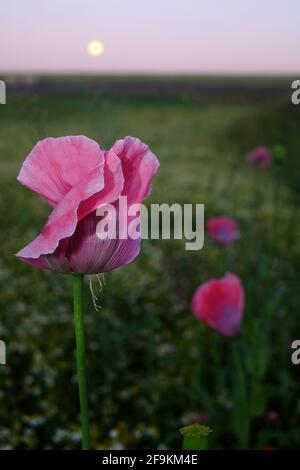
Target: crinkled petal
(113, 185)
(139, 167)
(55, 165)
(63, 220)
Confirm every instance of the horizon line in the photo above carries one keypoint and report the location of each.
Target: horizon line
(150, 73)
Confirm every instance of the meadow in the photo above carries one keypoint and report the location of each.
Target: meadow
(152, 366)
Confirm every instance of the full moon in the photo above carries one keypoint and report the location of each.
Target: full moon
(95, 48)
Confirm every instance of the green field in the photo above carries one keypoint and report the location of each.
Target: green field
(152, 366)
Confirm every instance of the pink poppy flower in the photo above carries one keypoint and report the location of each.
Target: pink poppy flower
(75, 176)
(219, 303)
(223, 230)
(260, 157)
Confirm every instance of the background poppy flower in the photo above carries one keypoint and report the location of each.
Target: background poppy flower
(219, 304)
(223, 230)
(260, 157)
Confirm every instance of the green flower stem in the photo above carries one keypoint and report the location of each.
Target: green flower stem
(194, 443)
(194, 437)
(241, 412)
(80, 353)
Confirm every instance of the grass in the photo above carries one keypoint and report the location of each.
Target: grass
(152, 366)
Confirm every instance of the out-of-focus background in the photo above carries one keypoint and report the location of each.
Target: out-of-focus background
(202, 83)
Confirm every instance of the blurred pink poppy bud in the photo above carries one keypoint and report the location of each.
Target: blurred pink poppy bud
(202, 418)
(260, 157)
(223, 230)
(219, 304)
(75, 176)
